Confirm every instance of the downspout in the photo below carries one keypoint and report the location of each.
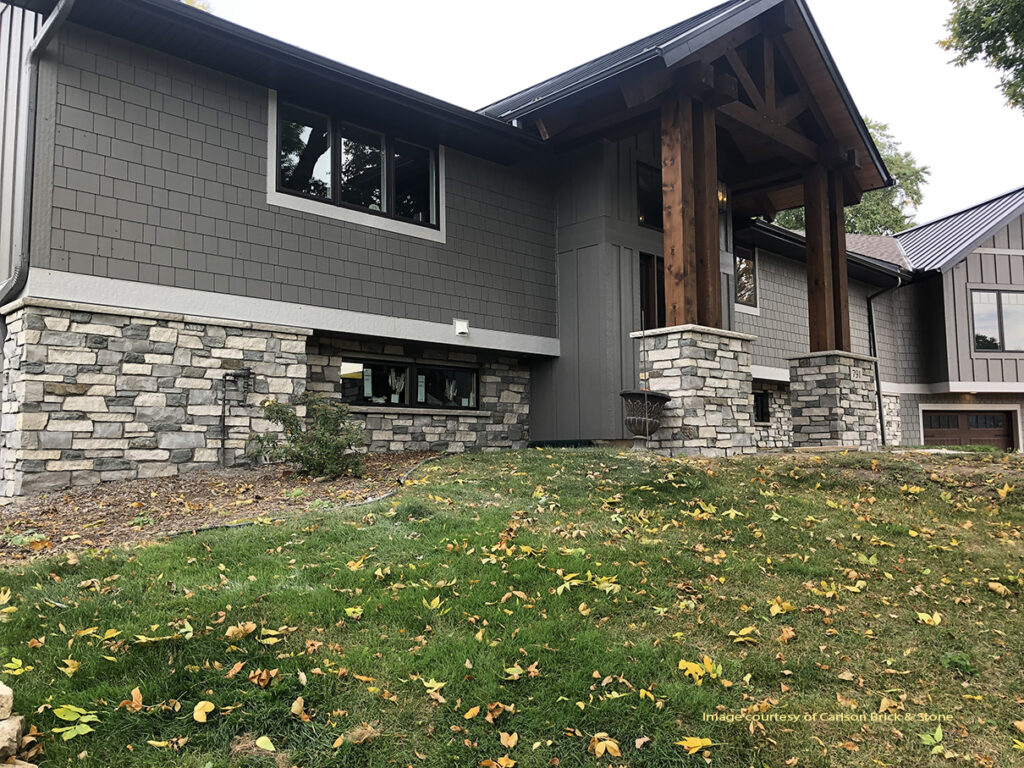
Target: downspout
(20, 238)
(873, 349)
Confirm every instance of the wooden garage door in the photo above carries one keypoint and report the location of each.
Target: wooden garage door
(969, 428)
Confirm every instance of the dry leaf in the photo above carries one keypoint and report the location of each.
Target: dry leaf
(509, 740)
(135, 704)
(639, 743)
(201, 710)
(786, 635)
(1000, 589)
(471, 713)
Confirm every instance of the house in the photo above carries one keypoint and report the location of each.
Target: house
(195, 217)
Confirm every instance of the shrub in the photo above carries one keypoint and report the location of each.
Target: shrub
(320, 444)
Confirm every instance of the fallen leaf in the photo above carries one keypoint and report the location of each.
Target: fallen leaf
(201, 710)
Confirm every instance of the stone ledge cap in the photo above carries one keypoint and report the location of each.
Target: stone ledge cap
(84, 306)
(693, 328)
(834, 353)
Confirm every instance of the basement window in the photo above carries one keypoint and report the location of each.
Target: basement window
(410, 385)
(762, 407)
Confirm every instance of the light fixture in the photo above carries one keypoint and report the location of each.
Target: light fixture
(461, 327)
(723, 197)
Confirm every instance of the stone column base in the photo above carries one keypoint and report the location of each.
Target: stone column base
(833, 400)
(707, 373)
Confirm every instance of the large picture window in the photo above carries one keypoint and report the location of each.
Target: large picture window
(405, 384)
(355, 167)
(998, 321)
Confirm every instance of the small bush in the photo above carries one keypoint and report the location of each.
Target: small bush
(958, 661)
(321, 443)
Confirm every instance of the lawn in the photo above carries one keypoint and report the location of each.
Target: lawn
(553, 607)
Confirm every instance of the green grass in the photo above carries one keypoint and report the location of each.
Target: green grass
(465, 578)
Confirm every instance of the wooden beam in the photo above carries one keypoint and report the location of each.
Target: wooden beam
(790, 108)
(727, 90)
(705, 184)
(780, 135)
(553, 124)
(678, 211)
(646, 88)
(820, 308)
(768, 76)
(837, 247)
(743, 75)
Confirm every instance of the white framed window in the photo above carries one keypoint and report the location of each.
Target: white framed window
(746, 287)
(321, 164)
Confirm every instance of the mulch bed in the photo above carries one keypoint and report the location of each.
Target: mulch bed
(130, 512)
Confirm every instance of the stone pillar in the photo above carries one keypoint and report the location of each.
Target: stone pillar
(893, 421)
(833, 400)
(707, 373)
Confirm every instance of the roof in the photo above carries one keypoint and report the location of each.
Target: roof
(880, 247)
(175, 28)
(941, 244)
(793, 244)
(628, 56)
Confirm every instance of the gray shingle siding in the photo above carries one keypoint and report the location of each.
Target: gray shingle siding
(160, 177)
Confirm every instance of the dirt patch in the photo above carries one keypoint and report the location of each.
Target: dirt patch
(133, 511)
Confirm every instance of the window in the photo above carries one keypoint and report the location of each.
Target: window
(355, 167)
(404, 384)
(762, 407)
(648, 195)
(987, 421)
(652, 292)
(746, 277)
(998, 321)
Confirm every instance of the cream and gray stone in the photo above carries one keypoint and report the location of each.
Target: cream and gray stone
(833, 400)
(776, 433)
(707, 374)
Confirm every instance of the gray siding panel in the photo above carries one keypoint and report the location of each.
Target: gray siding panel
(160, 176)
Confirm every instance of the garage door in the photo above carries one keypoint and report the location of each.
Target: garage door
(969, 428)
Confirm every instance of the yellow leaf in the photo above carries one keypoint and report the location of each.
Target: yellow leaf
(298, 707)
(1019, 725)
(201, 710)
(694, 744)
(238, 631)
(264, 743)
(506, 762)
(70, 667)
(1000, 589)
(471, 713)
(508, 740)
(158, 743)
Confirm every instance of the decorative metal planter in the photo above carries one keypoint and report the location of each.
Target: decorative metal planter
(643, 410)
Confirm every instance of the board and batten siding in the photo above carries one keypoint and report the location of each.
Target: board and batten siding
(18, 27)
(160, 176)
(995, 264)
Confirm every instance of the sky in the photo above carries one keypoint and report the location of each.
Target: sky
(473, 52)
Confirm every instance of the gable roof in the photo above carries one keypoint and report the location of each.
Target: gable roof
(942, 243)
(607, 65)
(674, 44)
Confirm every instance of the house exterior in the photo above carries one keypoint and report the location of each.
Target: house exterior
(195, 217)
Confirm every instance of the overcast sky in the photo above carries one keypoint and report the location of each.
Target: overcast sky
(474, 52)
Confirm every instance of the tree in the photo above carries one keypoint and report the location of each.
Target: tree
(202, 5)
(882, 211)
(991, 31)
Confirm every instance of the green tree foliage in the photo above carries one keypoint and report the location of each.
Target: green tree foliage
(882, 211)
(321, 444)
(991, 31)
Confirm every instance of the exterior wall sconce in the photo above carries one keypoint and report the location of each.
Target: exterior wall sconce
(461, 327)
(723, 197)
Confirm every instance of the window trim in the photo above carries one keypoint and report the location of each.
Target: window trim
(412, 369)
(999, 318)
(352, 214)
(747, 309)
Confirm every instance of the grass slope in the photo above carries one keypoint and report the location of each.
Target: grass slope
(804, 580)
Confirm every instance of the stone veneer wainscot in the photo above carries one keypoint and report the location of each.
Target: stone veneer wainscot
(96, 393)
(500, 420)
(707, 373)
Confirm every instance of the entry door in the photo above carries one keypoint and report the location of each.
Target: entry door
(969, 428)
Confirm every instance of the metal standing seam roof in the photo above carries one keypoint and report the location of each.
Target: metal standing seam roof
(649, 47)
(940, 244)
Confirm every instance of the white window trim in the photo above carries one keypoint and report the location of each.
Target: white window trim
(1018, 435)
(743, 308)
(305, 205)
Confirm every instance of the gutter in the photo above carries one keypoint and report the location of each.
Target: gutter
(873, 351)
(20, 240)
